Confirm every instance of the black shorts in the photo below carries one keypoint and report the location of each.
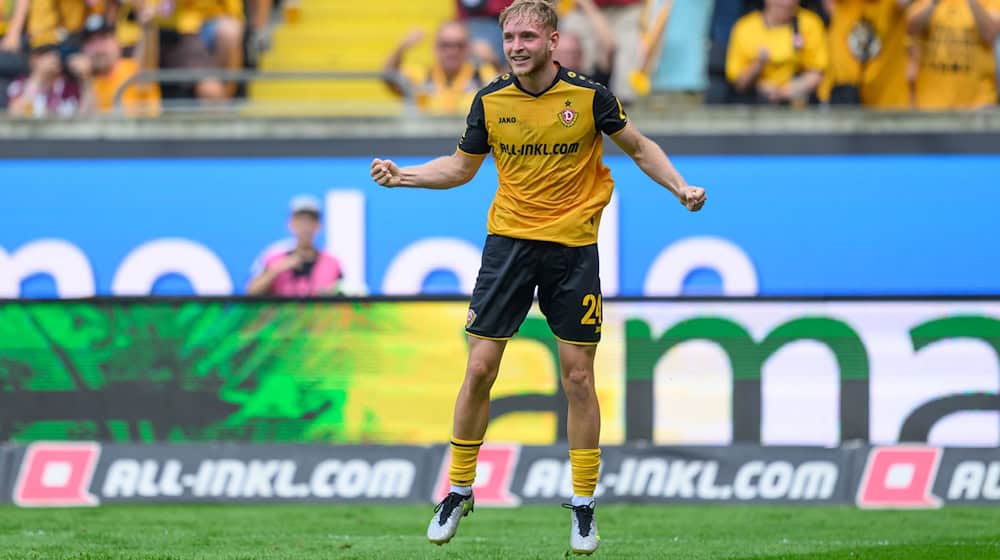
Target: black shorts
(568, 282)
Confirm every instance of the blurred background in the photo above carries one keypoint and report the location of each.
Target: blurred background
(192, 252)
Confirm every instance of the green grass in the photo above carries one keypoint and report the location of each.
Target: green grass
(396, 532)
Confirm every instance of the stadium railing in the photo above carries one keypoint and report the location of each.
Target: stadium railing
(192, 76)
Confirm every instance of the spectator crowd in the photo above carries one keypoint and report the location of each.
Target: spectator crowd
(68, 57)
(882, 54)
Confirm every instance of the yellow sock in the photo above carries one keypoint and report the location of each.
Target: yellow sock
(464, 453)
(585, 464)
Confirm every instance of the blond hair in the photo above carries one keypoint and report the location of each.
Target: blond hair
(538, 11)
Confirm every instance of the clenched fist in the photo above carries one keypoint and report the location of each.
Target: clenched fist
(385, 172)
(693, 198)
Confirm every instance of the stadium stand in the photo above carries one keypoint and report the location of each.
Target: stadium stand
(334, 52)
(342, 37)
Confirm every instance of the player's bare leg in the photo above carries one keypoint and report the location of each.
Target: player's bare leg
(472, 414)
(583, 428)
(472, 407)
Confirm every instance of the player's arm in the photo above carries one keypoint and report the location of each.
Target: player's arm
(654, 162)
(441, 173)
(444, 172)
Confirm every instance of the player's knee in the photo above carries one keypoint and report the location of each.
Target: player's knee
(578, 382)
(481, 373)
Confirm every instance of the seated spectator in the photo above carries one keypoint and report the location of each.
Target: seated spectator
(953, 41)
(198, 35)
(47, 91)
(13, 62)
(450, 84)
(569, 51)
(868, 54)
(60, 23)
(625, 20)
(296, 267)
(777, 55)
(482, 19)
(107, 69)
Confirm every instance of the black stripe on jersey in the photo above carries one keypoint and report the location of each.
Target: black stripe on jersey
(609, 116)
(476, 139)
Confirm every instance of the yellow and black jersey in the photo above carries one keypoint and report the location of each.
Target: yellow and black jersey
(552, 182)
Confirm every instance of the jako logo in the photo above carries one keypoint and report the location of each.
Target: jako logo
(494, 474)
(508, 120)
(57, 474)
(900, 477)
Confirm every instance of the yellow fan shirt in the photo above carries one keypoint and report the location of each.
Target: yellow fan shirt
(787, 55)
(956, 69)
(868, 50)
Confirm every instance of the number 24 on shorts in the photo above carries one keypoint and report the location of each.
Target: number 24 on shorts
(594, 306)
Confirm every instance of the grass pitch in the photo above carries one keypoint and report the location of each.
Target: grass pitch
(396, 532)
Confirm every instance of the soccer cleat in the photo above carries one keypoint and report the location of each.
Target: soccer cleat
(447, 514)
(583, 537)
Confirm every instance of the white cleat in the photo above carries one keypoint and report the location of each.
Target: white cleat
(447, 514)
(583, 537)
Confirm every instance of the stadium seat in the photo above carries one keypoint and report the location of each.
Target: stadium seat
(342, 36)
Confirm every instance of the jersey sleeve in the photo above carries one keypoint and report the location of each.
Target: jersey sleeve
(476, 138)
(609, 117)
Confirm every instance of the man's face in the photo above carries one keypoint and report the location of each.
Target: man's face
(103, 52)
(784, 9)
(304, 226)
(569, 53)
(452, 47)
(528, 45)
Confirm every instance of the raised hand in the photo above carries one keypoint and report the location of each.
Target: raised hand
(693, 198)
(385, 172)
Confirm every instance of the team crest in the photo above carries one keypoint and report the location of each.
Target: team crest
(568, 116)
(470, 318)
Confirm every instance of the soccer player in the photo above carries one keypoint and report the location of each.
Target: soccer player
(543, 124)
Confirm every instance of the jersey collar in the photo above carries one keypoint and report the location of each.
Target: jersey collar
(560, 74)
